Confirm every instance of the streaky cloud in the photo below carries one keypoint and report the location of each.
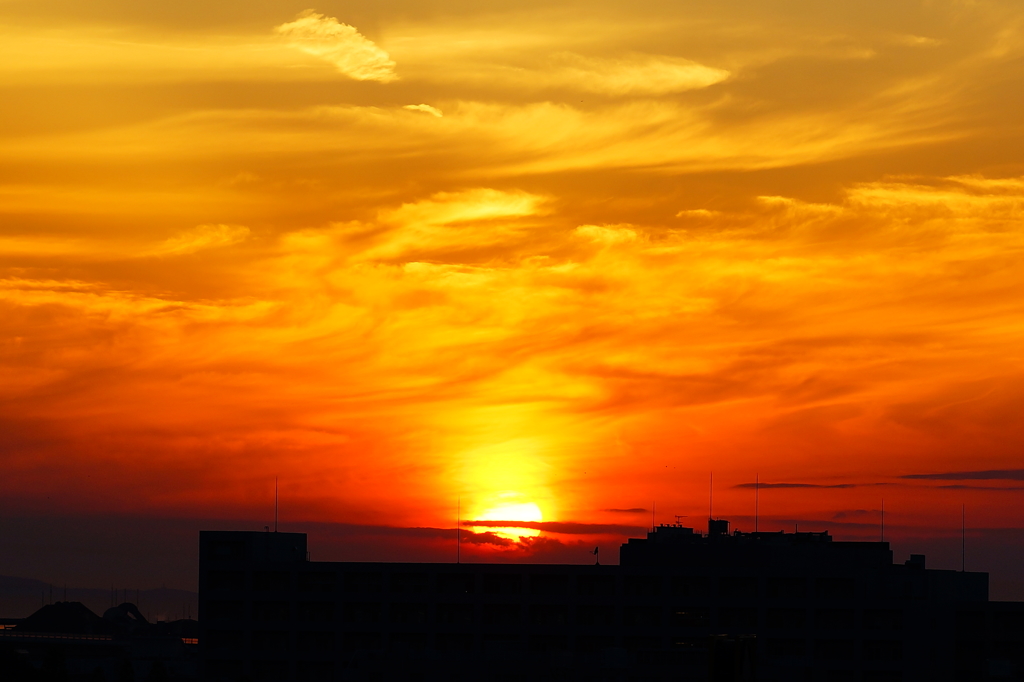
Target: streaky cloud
(201, 238)
(961, 486)
(425, 108)
(854, 513)
(796, 485)
(986, 475)
(632, 75)
(561, 527)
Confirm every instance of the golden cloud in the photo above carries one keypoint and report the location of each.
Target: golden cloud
(608, 234)
(340, 44)
(632, 75)
(200, 238)
(425, 108)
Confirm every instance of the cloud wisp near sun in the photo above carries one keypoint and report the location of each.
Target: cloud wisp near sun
(556, 264)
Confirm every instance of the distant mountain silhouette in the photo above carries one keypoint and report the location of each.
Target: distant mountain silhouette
(20, 597)
(67, 641)
(69, 617)
(74, 618)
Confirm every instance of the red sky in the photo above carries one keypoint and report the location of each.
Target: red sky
(559, 261)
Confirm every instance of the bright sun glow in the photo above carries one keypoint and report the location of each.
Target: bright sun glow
(511, 511)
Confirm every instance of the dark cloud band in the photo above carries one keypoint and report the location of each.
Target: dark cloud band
(987, 475)
(795, 485)
(564, 528)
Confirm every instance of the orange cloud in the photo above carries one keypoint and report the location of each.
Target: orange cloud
(202, 237)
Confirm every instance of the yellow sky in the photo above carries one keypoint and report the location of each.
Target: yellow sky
(560, 256)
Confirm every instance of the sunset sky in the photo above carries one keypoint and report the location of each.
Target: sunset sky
(553, 261)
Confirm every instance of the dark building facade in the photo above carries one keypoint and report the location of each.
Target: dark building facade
(681, 605)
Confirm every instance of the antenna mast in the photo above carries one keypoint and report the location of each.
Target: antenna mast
(275, 504)
(881, 537)
(458, 533)
(711, 496)
(963, 538)
(757, 481)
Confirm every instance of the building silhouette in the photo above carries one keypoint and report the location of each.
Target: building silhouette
(681, 605)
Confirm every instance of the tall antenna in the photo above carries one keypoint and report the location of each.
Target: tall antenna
(654, 509)
(963, 537)
(458, 533)
(881, 537)
(275, 504)
(711, 496)
(757, 480)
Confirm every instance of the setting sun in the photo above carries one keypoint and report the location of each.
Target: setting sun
(526, 512)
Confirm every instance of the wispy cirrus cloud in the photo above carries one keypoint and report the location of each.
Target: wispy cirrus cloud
(426, 109)
(447, 222)
(352, 53)
(200, 238)
(636, 74)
